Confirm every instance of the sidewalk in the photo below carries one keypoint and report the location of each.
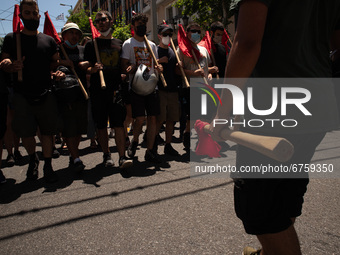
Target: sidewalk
(148, 210)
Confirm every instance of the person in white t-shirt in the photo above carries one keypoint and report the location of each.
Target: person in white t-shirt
(134, 53)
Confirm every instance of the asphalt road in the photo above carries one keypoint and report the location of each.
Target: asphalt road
(149, 209)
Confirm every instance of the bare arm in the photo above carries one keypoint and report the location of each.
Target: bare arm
(245, 51)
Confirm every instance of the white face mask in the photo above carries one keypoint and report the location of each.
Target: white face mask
(106, 32)
(166, 40)
(218, 38)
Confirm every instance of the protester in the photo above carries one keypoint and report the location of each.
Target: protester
(107, 103)
(135, 52)
(71, 102)
(192, 71)
(168, 96)
(35, 105)
(270, 43)
(219, 50)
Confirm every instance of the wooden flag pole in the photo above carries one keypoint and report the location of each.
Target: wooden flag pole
(74, 72)
(101, 75)
(180, 66)
(154, 59)
(198, 65)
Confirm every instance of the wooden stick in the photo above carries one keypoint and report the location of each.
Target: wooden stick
(180, 66)
(101, 75)
(277, 148)
(154, 59)
(74, 72)
(18, 44)
(198, 65)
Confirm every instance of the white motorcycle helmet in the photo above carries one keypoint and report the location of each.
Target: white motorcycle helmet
(143, 83)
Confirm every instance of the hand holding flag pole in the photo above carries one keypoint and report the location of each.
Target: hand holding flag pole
(154, 60)
(50, 30)
(17, 27)
(96, 34)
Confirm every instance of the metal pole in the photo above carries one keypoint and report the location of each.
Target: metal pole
(109, 6)
(90, 5)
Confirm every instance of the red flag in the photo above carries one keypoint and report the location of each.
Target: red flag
(94, 31)
(225, 39)
(17, 25)
(206, 42)
(185, 44)
(132, 32)
(50, 30)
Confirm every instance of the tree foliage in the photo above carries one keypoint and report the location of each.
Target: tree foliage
(205, 12)
(121, 30)
(81, 18)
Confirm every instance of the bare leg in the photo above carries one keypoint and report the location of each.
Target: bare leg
(120, 140)
(151, 131)
(47, 145)
(137, 127)
(282, 243)
(29, 144)
(72, 145)
(103, 139)
(168, 131)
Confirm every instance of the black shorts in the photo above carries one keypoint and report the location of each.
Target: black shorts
(104, 110)
(267, 205)
(144, 104)
(3, 115)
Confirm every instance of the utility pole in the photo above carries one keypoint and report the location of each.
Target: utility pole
(109, 6)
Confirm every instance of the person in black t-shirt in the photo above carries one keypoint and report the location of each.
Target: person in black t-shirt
(107, 104)
(71, 102)
(220, 52)
(168, 96)
(35, 105)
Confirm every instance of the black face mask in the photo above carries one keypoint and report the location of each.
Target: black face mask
(31, 24)
(141, 30)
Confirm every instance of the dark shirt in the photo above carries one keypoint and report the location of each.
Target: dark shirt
(38, 51)
(109, 52)
(169, 70)
(220, 58)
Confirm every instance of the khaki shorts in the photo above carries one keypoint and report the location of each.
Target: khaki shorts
(28, 117)
(169, 106)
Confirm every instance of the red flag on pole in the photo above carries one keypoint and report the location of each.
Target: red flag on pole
(50, 30)
(225, 39)
(94, 31)
(185, 44)
(17, 25)
(206, 42)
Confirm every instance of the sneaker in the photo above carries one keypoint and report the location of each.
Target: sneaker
(107, 160)
(32, 171)
(132, 149)
(251, 251)
(70, 162)
(186, 141)
(49, 175)
(10, 160)
(124, 162)
(152, 157)
(2, 177)
(55, 153)
(18, 156)
(168, 149)
(78, 166)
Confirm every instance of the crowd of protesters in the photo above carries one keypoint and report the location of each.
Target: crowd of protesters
(51, 98)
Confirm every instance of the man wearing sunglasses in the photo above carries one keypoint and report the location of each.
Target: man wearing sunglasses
(168, 96)
(106, 103)
(191, 71)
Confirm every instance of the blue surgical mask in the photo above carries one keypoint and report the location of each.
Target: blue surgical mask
(70, 45)
(195, 37)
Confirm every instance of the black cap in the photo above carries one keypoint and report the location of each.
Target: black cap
(163, 28)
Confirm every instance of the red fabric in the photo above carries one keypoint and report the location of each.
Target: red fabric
(206, 42)
(206, 145)
(50, 30)
(94, 31)
(185, 44)
(225, 39)
(17, 25)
